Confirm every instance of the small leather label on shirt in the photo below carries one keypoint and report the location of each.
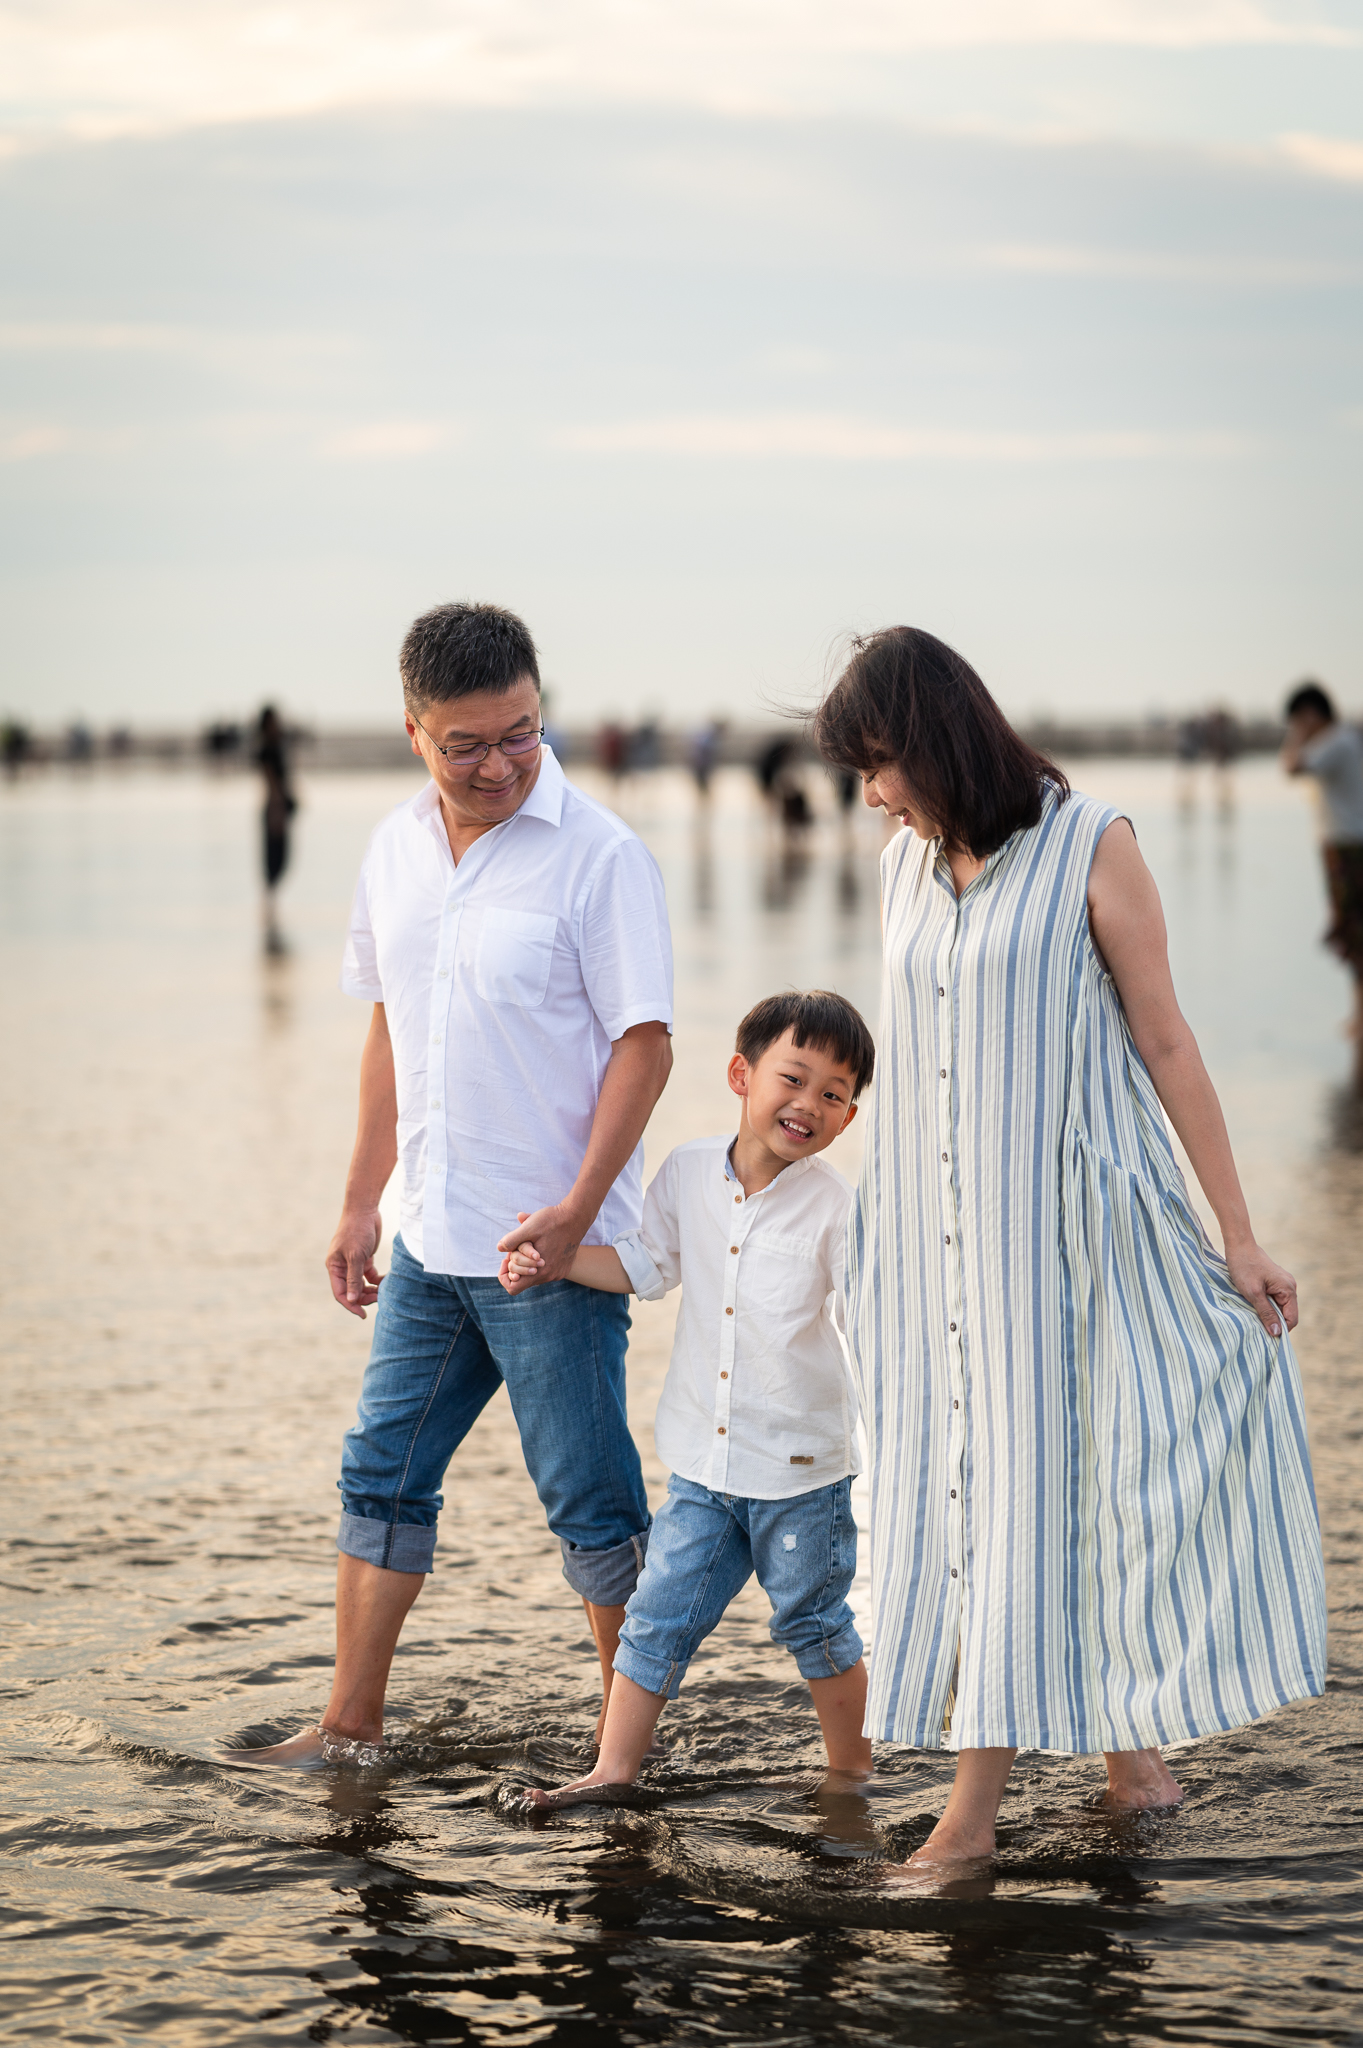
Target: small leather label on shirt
(801, 1461)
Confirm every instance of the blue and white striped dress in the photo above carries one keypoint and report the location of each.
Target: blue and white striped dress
(1092, 1518)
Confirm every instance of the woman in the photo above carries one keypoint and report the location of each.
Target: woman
(1092, 1519)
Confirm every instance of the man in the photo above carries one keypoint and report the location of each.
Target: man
(1318, 745)
(512, 936)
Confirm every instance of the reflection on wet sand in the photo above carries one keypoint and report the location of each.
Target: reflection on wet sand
(170, 1493)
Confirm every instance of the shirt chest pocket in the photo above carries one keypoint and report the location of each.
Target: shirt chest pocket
(783, 1279)
(512, 957)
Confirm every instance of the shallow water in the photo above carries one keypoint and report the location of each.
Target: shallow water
(179, 1110)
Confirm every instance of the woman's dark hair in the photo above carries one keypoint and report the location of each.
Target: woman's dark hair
(909, 700)
(459, 648)
(818, 1018)
(1311, 697)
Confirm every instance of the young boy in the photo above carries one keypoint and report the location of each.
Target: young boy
(757, 1418)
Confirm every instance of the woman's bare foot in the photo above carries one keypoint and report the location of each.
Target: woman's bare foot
(950, 1845)
(311, 1749)
(593, 1791)
(1137, 1779)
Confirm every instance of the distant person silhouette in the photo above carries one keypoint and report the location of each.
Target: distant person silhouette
(1319, 745)
(280, 804)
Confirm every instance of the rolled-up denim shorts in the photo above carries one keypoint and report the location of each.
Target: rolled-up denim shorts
(442, 1347)
(703, 1549)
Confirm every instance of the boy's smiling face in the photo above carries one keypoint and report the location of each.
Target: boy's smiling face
(796, 1099)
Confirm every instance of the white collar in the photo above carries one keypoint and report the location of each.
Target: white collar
(545, 800)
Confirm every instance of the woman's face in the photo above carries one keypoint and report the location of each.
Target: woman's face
(885, 789)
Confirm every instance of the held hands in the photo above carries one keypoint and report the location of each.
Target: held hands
(522, 1268)
(1267, 1287)
(350, 1260)
(548, 1236)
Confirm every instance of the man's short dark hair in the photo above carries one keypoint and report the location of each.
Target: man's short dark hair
(459, 648)
(819, 1018)
(1311, 697)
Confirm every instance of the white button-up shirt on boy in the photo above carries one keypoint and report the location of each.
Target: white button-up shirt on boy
(505, 980)
(758, 1401)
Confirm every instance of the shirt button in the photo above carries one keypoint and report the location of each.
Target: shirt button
(955, 1404)
(941, 991)
(951, 1326)
(953, 1493)
(738, 1198)
(943, 1072)
(436, 1103)
(728, 1311)
(443, 975)
(953, 1571)
(733, 1247)
(724, 1375)
(723, 1432)
(946, 1240)
(944, 1159)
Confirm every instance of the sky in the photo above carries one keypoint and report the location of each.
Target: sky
(702, 335)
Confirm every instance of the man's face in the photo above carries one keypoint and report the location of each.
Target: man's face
(492, 789)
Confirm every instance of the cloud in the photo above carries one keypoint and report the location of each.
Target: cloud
(1205, 267)
(23, 443)
(1325, 156)
(86, 68)
(830, 437)
(388, 440)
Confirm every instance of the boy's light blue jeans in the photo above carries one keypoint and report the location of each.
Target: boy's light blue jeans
(442, 1347)
(703, 1549)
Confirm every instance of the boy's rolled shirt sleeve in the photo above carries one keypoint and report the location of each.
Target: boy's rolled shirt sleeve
(645, 1274)
(624, 942)
(360, 964)
(651, 1256)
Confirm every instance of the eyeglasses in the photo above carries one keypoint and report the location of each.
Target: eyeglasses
(512, 749)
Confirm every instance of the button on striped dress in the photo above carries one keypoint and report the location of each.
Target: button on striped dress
(1092, 1518)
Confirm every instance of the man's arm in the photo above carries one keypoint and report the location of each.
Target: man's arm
(640, 1063)
(350, 1255)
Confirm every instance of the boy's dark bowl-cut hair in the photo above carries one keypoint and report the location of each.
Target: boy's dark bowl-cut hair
(818, 1018)
(908, 699)
(1311, 697)
(459, 648)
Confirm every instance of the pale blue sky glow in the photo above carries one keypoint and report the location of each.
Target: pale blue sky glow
(699, 335)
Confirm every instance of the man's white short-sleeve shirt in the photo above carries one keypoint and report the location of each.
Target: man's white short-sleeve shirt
(758, 1399)
(504, 981)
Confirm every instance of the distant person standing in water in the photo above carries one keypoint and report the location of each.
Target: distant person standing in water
(1092, 1520)
(280, 805)
(512, 937)
(1320, 746)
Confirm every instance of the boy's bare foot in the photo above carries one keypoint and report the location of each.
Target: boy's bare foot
(593, 1791)
(309, 1750)
(1138, 1779)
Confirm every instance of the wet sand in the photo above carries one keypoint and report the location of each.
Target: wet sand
(179, 1111)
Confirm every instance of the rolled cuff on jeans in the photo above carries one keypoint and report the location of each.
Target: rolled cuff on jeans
(395, 1546)
(605, 1577)
(830, 1657)
(654, 1674)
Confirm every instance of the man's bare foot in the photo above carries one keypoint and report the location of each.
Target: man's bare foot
(1138, 1779)
(309, 1750)
(593, 1791)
